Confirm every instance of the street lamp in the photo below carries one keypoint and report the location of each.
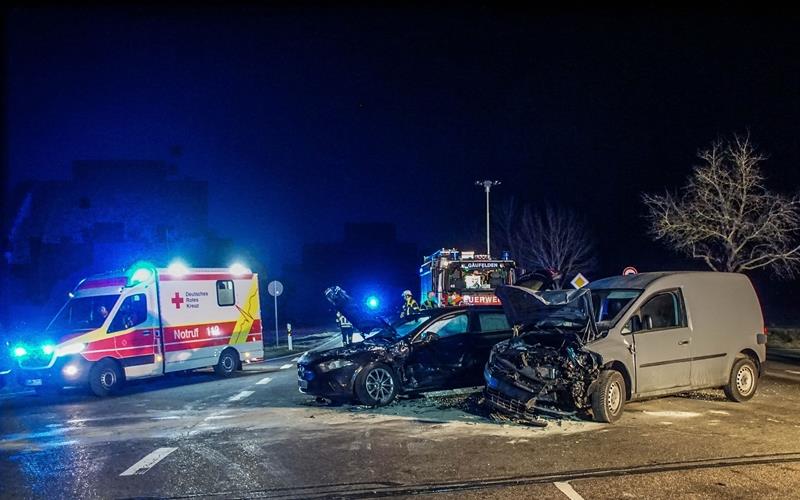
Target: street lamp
(487, 186)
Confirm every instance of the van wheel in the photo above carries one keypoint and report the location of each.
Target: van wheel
(228, 361)
(105, 378)
(743, 380)
(376, 386)
(608, 399)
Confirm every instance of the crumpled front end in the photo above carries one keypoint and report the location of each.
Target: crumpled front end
(546, 374)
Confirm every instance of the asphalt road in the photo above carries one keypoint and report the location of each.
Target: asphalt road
(254, 435)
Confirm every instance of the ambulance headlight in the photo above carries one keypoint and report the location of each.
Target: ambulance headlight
(334, 365)
(70, 349)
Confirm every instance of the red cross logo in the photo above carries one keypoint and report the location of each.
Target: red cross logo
(177, 300)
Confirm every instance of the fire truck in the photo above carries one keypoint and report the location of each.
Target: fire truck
(474, 277)
(146, 322)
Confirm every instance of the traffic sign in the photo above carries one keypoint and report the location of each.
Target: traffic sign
(630, 270)
(579, 281)
(275, 288)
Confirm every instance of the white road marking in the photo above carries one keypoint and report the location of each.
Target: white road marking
(265, 380)
(287, 365)
(568, 490)
(295, 359)
(240, 396)
(793, 372)
(148, 462)
(674, 414)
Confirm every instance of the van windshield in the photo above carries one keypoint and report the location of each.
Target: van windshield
(609, 304)
(84, 313)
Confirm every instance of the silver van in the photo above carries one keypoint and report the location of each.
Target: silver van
(626, 338)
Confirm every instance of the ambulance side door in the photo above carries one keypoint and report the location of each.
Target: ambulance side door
(136, 330)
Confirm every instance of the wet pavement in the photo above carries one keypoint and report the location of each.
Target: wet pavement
(254, 435)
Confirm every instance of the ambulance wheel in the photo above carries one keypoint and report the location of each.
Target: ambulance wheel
(228, 361)
(105, 378)
(376, 385)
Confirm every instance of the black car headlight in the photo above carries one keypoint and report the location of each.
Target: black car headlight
(334, 364)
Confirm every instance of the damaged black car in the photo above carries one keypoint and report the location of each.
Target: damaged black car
(435, 349)
(548, 367)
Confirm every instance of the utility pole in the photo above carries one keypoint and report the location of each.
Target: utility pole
(487, 186)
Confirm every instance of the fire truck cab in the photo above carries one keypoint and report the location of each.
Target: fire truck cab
(474, 277)
(146, 322)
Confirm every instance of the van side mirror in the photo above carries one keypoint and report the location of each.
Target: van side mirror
(648, 322)
(635, 324)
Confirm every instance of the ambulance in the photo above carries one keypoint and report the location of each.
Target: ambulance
(146, 322)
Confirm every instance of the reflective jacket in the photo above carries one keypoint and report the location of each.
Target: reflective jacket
(409, 307)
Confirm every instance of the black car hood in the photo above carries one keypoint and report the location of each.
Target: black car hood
(375, 342)
(363, 320)
(531, 309)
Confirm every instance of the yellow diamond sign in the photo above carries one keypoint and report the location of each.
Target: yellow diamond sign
(579, 281)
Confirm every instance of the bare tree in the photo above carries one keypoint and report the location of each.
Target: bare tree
(725, 215)
(554, 238)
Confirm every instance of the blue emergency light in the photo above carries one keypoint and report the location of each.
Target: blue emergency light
(373, 302)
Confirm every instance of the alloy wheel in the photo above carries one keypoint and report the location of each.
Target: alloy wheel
(380, 385)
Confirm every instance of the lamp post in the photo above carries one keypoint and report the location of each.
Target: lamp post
(487, 186)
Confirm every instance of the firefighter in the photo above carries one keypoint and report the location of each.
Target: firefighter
(346, 327)
(454, 298)
(410, 305)
(430, 302)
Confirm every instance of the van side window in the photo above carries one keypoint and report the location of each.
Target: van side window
(132, 312)
(664, 310)
(225, 294)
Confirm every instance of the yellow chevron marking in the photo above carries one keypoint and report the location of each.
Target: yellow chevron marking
(247, 314)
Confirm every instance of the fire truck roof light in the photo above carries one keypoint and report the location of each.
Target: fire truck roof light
(178, 268)
(239, 269)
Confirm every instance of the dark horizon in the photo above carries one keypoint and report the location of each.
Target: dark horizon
(304, 120)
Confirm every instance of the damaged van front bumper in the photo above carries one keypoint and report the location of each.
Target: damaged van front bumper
(507, 397)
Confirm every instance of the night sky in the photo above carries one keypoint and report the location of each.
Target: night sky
(313, 117)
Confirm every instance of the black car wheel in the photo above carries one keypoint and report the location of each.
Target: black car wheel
(376, 385)
(228, 361)
(743, 380)
(105, 378)
(608, 399)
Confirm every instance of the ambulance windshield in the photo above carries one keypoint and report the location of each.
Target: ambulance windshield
(84, 313)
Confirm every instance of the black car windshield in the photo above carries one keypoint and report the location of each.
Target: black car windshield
(404, 326)
(609, 304)
(84, 313)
